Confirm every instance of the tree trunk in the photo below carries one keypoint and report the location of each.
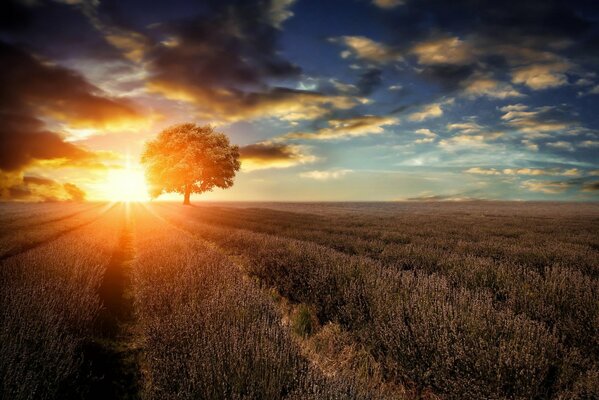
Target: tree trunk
(187, 195)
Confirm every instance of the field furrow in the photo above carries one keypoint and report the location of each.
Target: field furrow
(48, 307)
(34, 236)
(160, 301)
(358, 293)
(27, 213)
(50, 216)
(538, 291)
(204, 321)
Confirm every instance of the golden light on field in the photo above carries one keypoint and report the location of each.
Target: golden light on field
(126, 184)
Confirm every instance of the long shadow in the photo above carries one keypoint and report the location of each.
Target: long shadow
(110, 368)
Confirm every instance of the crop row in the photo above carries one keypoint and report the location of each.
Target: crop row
(211, 333)
(428, 332)
(16, 240)
(540, 289)
(48, 303)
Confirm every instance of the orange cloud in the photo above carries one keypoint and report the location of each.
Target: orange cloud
(232, 105)
(35, 188)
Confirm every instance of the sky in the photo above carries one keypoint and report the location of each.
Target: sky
(353, 100)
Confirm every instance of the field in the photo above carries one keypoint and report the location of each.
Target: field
(472, 300)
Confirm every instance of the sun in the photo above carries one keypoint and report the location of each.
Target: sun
(126, 184)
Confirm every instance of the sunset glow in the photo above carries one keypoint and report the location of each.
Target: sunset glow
(396, 101)
(299, 199)
(127, 184)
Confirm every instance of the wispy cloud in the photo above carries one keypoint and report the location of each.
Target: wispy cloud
(524, 171)
(347, 128)
(547, 187)
(326, 174)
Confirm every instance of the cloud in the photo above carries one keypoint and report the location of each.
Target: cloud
(542, 76)
(535, 123)
(369, 81)
(541, 171)
(387, 4)
(32, 86)
(589, 143)
(547, 187)
(133, 45)
(35, 188)
(444, 50)
(590, 186)
(429, 111)
(74, 192)
(347, 128)
(465, 127)
(234, 105)
(482, 171)
(280, 12)
(461, 140)
(33, 89)
(23, 141)
(265, 155)
(426, 132)
(326, 175)
(367, 49)
(429, 136)
(225, 63)
(524, 171)
(444, 197)
(344, 87)
(482, 85)
(561, 145)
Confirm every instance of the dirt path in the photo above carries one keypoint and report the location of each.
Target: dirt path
(110, 360)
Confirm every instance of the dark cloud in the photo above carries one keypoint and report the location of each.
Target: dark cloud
(505, 21)
(493, 38)
(448, 76)
(14, 15)
(590, 186)
(23, 140)
(54, 29)
(266, 151)
(226, 60)
(74, 192)
(231, 43)
(32, 89)
(273, 155)
(34, 188)
(30, 85)
(369, 81)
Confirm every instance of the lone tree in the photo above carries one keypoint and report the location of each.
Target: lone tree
(188, 158)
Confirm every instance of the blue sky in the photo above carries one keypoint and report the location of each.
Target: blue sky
(328, 100)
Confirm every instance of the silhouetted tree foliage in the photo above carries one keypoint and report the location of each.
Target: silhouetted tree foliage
(189, 158)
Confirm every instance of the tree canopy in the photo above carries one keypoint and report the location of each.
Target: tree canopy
(189, 158)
